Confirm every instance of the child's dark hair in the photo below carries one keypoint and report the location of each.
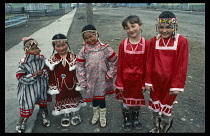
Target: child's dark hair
(88, 27)
(167, 14)
(132, 19)
(59, 36)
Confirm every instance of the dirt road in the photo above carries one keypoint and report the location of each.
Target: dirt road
(189, 109)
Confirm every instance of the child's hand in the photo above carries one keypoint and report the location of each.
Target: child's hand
(173, 92)
(118, 90)
(149, 88)
(35, 75)
(39, 72)
(108, 79)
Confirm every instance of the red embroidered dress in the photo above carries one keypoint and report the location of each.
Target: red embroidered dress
(62, 82)
(166, 71)
(94, 63)
(131, 72)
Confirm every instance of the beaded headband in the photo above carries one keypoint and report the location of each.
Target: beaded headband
(93, 31)
(172, 21)
(59, 40)
(166, 20)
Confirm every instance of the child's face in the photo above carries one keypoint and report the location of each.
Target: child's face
(34, 50)
(133, 30)
(61, 48)
(90, 38)
(165, 30)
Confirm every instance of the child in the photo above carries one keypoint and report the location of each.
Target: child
(32, 76)
(166, 70)
(131, 72)
(62, 82)
(96, 68)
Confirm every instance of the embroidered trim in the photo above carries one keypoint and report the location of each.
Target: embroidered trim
(19, 75)
(166, 20)
(158, 107)
(26, 113)
(113, 54)
(137, 102)
(62, 109)
(174, 47)
(135, 52)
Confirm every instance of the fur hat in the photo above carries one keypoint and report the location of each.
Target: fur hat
(28, 42)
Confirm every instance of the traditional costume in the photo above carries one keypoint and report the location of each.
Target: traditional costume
(92, 67)
(130, 78)
(131, 72)
(31, 90)
(62, 82)
(95, 64)
(166, 71)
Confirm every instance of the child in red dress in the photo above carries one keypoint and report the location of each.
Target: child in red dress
(166, 70)
(131, 72)
(62, 82)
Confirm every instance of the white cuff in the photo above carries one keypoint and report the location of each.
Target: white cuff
(119, 87)
(148, 84)
(53, 90)
(79, 88)
(177, 89)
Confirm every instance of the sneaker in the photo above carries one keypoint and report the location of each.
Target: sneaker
(20, 128)
(65, 122)
(46, 122)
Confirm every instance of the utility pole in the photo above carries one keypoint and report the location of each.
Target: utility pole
(77, 5)
(89, 13)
